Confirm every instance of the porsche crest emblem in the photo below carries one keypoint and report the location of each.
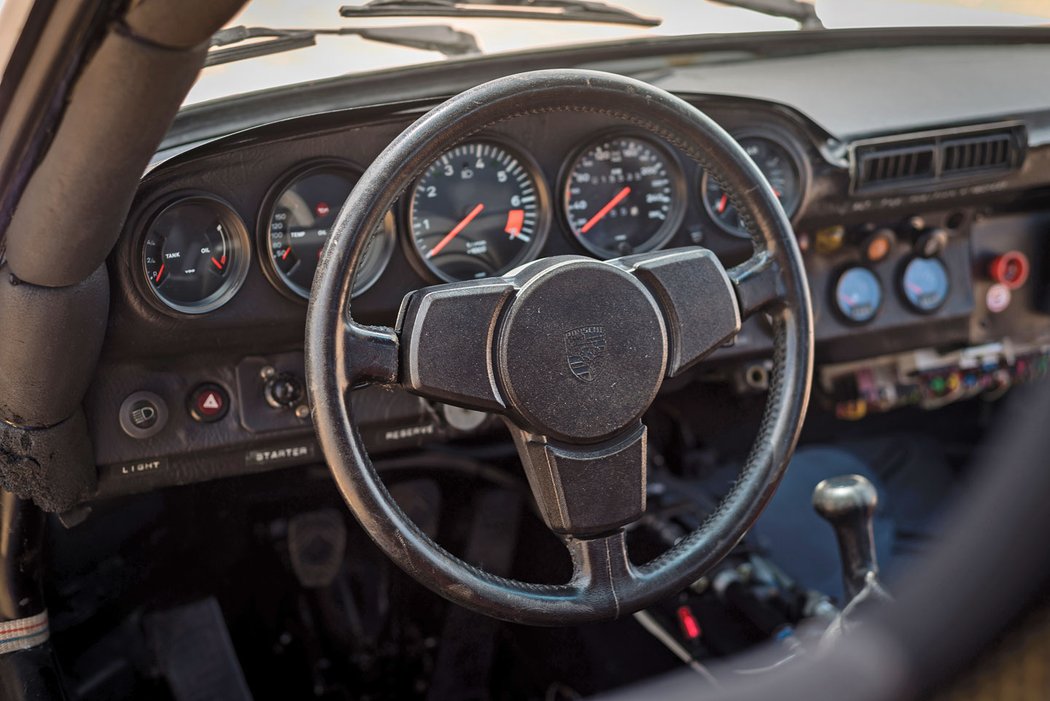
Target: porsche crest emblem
(584, 348)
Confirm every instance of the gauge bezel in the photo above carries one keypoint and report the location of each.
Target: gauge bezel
(543, 203)
(795, 151)
(674, 220)
(833, 294)
(240, 240)
(902, 271)
(269, 203)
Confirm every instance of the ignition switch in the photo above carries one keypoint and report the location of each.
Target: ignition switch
(283, 390)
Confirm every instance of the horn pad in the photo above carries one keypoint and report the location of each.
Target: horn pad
(582, 349)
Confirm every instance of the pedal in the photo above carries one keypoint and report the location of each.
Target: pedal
(195, 654)
(317, 546)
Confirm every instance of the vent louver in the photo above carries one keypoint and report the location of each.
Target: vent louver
(879, 167)
(918, 161)
(986, 152)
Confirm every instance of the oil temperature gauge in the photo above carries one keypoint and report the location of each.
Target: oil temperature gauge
(858, 295)
(296, 226)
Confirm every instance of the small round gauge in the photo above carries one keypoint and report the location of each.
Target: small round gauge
(781, 168)
(858, 295)
(297, 225)
(477, 211)
(195, 254)
(623, 195)
(924, 284)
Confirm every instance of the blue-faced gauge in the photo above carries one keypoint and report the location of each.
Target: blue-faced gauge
(925, 284)
(858, 295)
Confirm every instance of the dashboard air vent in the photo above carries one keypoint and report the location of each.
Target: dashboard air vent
(879, 167)
(978, 153)
(923, 161)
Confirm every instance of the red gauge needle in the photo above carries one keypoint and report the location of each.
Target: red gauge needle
(455, 232)
(286, 252)
(605, 210)
(156, 280)
(216, 262)
(722, 203)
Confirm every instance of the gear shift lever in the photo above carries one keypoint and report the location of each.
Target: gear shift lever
(848, 504)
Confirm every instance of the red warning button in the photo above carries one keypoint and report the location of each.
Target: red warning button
(1010, 269)
(209, 403)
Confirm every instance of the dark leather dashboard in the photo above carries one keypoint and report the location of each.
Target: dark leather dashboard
(813, 102)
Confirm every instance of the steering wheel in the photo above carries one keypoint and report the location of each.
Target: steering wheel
(570, 351)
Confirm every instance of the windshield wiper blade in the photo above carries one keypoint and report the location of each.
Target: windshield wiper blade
(229, 45)
(802, 12)
(556, 10)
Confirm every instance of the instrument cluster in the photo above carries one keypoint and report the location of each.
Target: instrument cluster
(481, 209)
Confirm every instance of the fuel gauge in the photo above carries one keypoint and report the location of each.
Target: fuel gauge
(194, 254)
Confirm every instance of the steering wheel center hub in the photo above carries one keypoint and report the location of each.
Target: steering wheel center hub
(582, 349)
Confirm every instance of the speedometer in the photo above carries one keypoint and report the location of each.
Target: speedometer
(623, 195)
(478, 211)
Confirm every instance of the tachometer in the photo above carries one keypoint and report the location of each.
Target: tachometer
(297, 223)
(477, 211)
(781, 168)
(195, 254)
(623, 195)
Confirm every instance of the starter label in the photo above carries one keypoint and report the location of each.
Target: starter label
(290, 455)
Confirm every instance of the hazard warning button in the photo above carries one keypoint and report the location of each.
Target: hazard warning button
(209, 403)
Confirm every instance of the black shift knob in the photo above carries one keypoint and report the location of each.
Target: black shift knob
(848, 504)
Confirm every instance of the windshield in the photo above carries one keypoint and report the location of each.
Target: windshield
(339, 55)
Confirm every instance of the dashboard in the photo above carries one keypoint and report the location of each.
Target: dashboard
(923, 247)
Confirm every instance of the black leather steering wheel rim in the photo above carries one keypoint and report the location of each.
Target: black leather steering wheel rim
(342, 354)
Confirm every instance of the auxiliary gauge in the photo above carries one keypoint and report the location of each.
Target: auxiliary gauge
(623, 195)
(858, 295)
(925, 284)
(195, 254)
(781, 167)
(296, 226)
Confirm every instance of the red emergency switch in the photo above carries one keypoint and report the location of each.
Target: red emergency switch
(1009, 269)
(209, 403)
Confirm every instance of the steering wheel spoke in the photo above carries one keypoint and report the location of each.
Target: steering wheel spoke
(370, 354)
(447, 342)
(696, 297)
(601, 566)
(757, 283)
(586, 490)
